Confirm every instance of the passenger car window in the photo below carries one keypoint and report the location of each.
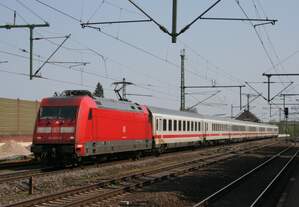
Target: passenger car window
(164, 125)
(169, 125)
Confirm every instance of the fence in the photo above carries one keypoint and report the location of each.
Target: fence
(17, 116)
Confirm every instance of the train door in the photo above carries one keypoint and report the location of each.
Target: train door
(229, 131)
(90, 125)
(157, 129)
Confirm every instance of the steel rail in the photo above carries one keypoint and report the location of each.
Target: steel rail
(100, 196)
(193, 165)
(20, 163)
(180, 168)
(223, 189)
(18, 175)
(7, 177)
(263, 193)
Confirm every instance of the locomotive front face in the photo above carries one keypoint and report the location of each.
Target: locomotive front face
(55, 130)
(56, 124)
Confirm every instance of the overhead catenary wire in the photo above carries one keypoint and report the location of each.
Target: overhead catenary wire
(285, 59)
(88, 48)
(150, 53)
(13, 10)
(96, 10)
(108, 58)
(88, 73)
(116, 62)
(53, 53)
(214, 67)
(259, 37)
(164, 29)
(122, 41)
(50, 79)
(58, 10)
(270, 41)
(4, 6)
(17, 55)
(32, 11)
(15, 46)
(256, 32)
(124, 9)
(70, 82)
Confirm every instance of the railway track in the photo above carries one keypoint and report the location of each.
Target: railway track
(25, 174)
(253, 187)
(111, 187)
(16, 164)
(28, 173)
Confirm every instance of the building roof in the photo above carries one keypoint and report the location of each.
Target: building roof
(248, 116)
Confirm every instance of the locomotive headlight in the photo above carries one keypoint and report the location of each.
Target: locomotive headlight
(67, 129)
(72, 137)
(43, 130)
(79, 145)
(38, 138)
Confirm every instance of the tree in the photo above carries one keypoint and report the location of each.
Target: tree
(99, 91)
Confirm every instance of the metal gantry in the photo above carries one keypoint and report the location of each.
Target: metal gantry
(182, 108)
(31, 27)
(184, 87)
(269, 75)
(174, 32)
(270, 99)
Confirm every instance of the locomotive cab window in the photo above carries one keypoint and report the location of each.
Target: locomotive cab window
(54, 112)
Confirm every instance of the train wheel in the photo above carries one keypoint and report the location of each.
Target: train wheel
(37, 157)
(137, 155)
(160, 150)
(76, 161)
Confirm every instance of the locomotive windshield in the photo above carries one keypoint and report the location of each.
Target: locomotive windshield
(54, 112)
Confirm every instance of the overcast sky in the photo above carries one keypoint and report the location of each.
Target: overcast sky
(224, 52)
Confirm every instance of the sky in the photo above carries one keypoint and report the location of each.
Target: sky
(217, 52)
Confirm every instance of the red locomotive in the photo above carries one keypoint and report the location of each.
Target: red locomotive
(76, 125)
